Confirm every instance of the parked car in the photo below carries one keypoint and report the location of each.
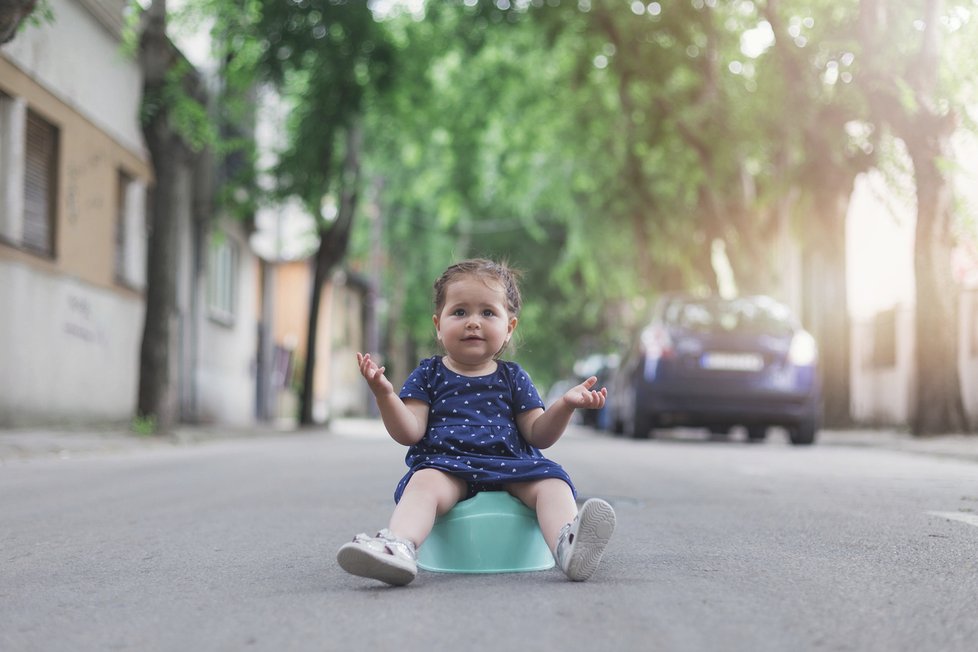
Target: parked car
(719, 363)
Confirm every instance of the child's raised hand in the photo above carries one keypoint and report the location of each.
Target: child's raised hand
(374, 375)
(582, 396)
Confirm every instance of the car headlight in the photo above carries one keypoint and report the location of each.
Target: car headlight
(804, 350)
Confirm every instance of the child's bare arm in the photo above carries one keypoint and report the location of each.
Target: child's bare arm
(405, 420)
(543, 428)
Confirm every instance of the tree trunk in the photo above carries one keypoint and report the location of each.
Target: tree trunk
(939, 407)
(926, 128)
(167, 152)
(12, 14)
(332, 249)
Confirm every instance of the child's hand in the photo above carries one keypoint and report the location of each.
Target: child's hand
(376, 379)
(582, 396)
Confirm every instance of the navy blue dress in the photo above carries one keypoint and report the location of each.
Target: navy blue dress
(472, 429)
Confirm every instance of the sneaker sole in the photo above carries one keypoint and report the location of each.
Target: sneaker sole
(359, 561)
(596, 524)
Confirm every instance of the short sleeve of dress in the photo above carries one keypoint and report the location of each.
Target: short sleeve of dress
(525, 394)
(418, 384)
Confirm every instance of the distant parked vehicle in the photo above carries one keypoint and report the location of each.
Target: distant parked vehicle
(719, 363)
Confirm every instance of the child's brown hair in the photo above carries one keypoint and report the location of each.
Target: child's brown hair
(484, 269)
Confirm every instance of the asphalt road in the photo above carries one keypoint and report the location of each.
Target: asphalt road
(229, 545)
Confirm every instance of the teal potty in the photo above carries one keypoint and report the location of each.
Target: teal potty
(492, 532)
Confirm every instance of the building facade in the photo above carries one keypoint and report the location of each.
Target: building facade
(73, 183)
(75, 178)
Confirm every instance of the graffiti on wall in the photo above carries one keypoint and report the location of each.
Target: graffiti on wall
(81, 322)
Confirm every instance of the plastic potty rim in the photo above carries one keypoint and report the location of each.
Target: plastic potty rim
(492, 532)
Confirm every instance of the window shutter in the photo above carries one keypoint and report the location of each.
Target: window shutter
(121, 234)
(40, 185)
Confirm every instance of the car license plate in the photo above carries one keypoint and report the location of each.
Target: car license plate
(732, 361)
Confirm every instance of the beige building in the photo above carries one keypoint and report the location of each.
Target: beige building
(74, 182)
(338, 388)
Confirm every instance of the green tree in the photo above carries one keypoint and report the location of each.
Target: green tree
(818, 161)
(921, 81)
(475, 160)
(176, 128)
(329, 59)
(13, 13)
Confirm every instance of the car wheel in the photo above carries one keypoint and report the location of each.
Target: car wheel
(756, 434)
(616, 426)
(719, 433)
(802, 434)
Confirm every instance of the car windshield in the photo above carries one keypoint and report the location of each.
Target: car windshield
(755, 316)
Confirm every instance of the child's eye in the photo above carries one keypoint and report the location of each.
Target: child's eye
(459, 312)
(488, 313)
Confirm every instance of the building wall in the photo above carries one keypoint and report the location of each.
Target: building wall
(882, 366)
(968, 351)
(71, 322)
(69, 328)
(225, 373)
(80, 57)
(339, 389)
(69, 350)
(883, 394)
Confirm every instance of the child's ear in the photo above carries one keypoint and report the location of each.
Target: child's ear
(434, 319)
(512, 327)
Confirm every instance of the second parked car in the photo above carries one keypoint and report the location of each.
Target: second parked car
(719, 363)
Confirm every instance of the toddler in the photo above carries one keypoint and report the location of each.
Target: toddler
(474, 423)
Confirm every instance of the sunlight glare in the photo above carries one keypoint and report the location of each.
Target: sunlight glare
(755, 42)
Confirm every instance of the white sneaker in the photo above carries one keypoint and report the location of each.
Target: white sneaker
(384, 557)
(582, 542)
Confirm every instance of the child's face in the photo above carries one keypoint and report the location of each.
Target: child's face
(474, 324)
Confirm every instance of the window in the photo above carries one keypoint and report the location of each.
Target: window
(222, 281)
(12, 112)
(121, 231)
(40, 185)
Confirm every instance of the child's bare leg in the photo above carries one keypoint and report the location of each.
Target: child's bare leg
(577, 538)
(553, 502)
(429, 493)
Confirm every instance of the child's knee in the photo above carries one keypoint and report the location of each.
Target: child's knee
(528, 492)
(444, 486)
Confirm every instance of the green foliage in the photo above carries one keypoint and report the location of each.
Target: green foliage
(42, 15)
(188, 117)
(144, 425)
(601, 147)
